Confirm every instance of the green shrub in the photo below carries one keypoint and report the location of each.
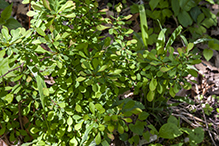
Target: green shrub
(64, 78)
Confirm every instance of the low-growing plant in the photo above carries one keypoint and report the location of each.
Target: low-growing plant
(61, 79)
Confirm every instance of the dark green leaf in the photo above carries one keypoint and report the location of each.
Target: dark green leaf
(4, 4)
(195, 12)
(12, 23)
(185, 19)
(153, 4)
(143, 115)
(197, 135)
(169, 131)
(138, 128)
(175, 7)
(6, 13)
(173, 120)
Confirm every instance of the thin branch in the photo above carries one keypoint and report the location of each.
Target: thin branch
(12, 70)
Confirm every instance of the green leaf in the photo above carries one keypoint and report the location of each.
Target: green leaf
(87, 131)
(80, 79)
(110, 127)
(208, 53)
(136, 111)
(95, 63)
(66, 5)
(2, 130)
(12, 23)
(78, 108)
(128, 120)
(160, 88)
(40, 31)
(195, 12)
(92, 107)
(100, 108)
(175, 7)
(78, 125)
(114, 118)
(184, 40)
(107, 118)
(185, 19)
(51, 115)
(127, 17)
(210, 1)
(144, 24)
(34, 130)
(138, 128)
(171, 91)
(173, 120)
(150, 96)
(4, 4)
(197, 135)
(173, 36)
(101, 127)
(102, 27)
(40, 85)
(73, 142)
(69, 121)
(146, 135)
(111, 136)
(193, 72)
(129, 105)
(9, 98)
(46, 91)
(120, 129)
(25, 1)
(6, 13)
(46, 4)
(117, 71)
(5, 33)
(169, 131)
(2, 53)
(98, 138)
(31, 13)
(161, 38)
(72, 15)
(165, 69)
(153, 4)
(143, 115)
(189, 47)
(5, 117)
(153, 84)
